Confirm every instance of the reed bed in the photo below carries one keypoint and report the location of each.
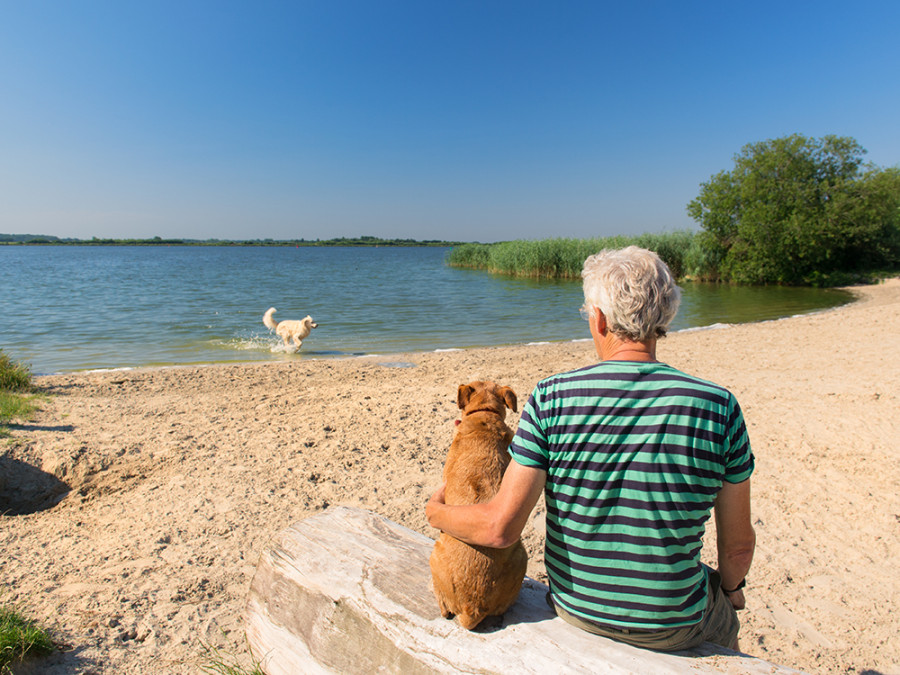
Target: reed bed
(562, 258)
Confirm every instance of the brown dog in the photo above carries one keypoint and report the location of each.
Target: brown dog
(474, 582)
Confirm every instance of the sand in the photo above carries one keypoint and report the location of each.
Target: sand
(166, 484)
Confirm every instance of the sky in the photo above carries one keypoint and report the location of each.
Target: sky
(455, 120)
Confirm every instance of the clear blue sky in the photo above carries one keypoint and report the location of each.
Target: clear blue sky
(454, 119)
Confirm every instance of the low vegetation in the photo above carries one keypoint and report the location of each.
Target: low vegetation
(20, 638)
(13, 376)
(218, 662)
(798, 210)
(564, 258)
(15, 383)
(793, 210)
(14, 406)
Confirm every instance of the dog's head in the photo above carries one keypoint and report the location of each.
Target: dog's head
(485, 396)
(308, 320)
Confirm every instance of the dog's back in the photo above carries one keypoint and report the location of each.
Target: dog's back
(477, 459)
(474, 582)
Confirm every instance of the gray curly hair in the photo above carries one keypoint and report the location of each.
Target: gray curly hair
(634, 289)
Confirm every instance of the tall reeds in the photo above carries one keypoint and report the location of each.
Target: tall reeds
(563, 258)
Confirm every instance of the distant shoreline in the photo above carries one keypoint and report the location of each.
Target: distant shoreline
(370, 242)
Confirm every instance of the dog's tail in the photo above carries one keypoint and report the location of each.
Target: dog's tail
(268, 320)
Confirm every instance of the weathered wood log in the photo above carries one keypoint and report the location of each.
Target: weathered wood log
(347, 591)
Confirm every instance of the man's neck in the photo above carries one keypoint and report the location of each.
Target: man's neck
(617, 349)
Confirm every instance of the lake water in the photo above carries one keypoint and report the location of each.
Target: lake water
(67, 308)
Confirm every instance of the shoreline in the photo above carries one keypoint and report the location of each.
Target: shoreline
(169, 481)
(715, 326)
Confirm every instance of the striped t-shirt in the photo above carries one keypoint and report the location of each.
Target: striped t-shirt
(635, 454)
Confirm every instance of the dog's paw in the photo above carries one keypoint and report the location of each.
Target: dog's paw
(489, 624)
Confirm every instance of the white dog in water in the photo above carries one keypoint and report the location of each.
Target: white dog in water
(290, 331)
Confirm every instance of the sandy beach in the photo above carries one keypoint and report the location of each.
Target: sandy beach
(166, 484)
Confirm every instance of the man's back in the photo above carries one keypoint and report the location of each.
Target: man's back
(635, 454)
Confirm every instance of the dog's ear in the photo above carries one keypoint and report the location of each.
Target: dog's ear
(463, 394)
(510, 397)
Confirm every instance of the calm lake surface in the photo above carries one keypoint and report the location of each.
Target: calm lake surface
(67, 308)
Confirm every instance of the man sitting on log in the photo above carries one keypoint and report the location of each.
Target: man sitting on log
(632, 456)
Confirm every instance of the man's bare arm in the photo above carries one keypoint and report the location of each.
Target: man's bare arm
(497, 523)
(735, 538)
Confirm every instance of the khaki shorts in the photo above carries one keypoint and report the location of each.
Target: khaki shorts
(719, 625)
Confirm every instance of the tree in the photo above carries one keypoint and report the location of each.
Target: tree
(795, 208)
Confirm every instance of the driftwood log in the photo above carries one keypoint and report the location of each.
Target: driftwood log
(347, 591)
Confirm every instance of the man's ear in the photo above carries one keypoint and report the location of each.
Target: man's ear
(600, 321)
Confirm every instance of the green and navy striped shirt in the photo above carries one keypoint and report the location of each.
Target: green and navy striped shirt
(635, 454)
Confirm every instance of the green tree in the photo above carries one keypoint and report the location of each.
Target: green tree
(795, 209)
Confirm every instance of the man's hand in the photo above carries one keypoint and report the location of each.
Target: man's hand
(737, 599)
(436, 501)
(496, 523)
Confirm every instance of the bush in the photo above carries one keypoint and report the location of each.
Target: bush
(798, 210)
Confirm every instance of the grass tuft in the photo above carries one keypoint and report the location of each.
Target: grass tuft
(19, 638)
(221, 663)
(13, 376)
(15, 380)
(15, 406)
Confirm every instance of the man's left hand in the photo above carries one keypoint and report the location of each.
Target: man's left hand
(737, 599)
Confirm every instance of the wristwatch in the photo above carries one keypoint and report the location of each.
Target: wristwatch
(736, 588)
